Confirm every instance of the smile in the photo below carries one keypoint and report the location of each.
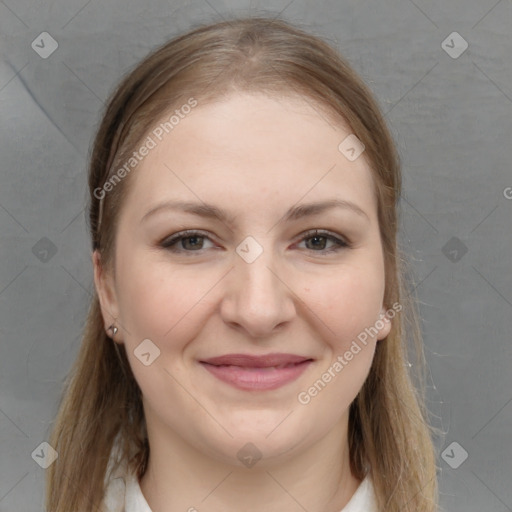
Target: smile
(257, 373)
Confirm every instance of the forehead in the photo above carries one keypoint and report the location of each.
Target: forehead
(251, 147)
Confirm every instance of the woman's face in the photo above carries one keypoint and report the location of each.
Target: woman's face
(246, 330)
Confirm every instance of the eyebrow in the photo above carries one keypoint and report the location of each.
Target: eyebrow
(294, 213)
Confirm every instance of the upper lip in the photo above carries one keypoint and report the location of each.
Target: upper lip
(250, 361)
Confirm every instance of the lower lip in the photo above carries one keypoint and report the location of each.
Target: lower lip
(260, 379)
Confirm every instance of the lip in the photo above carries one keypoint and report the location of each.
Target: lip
(253, 373)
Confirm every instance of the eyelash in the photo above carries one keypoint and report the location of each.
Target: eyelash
(170, 242)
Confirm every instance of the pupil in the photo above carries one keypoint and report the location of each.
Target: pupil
(321, 239)
(194, 240)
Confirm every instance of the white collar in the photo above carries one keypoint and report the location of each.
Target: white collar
(123, 494)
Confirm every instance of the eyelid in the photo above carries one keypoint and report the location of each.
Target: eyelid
(176, 237)
(323, 232)
(340, 241)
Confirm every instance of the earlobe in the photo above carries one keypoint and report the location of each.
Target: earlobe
(383, 324)
(105, 290)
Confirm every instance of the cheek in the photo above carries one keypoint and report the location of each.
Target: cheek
(158, 303)
(347, 305)
(166, 305)
(346, 301)
(153, 298)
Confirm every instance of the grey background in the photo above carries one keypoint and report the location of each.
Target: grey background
(451, 118)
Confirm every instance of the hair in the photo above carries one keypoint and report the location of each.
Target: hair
(389, 434)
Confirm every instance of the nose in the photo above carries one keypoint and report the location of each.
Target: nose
(257, 298)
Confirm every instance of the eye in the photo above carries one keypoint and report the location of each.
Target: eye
(319, 240)
(191, 241)
(185, 241)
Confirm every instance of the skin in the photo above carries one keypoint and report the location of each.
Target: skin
(255, 157)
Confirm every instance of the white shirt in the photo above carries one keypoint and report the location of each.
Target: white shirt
(123, 494)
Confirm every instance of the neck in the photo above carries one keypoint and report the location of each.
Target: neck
(316, 479)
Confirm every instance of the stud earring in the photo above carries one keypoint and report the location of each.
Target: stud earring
(114, 329)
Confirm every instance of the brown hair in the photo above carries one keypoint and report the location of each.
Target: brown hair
(389, 435)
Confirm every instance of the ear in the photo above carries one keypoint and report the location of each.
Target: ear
(104, 283)
(385, 321)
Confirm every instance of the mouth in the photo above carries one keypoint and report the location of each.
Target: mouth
(257, 373)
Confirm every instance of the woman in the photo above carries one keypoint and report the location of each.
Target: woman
(246, 347)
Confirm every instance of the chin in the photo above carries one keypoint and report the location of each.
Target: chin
(264, 446)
